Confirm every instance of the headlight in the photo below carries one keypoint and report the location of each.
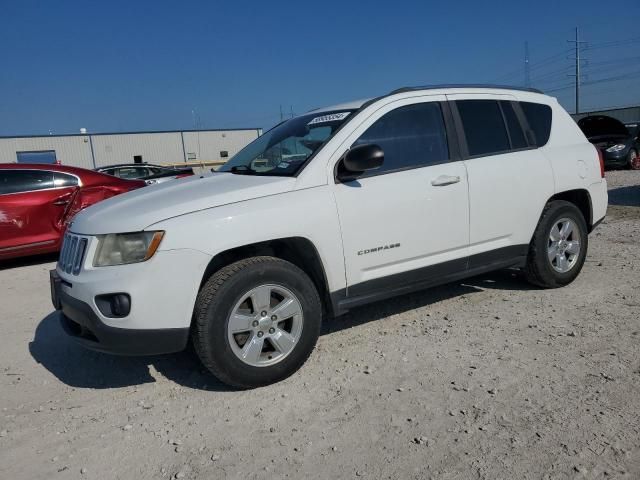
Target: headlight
(123, 248)
(616, 148)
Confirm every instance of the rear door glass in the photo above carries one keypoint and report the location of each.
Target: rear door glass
(17, 181)
(483, 126)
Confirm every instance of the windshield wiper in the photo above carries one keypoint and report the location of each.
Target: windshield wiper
(242, 170)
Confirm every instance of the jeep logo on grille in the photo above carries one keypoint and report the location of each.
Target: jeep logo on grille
(378, 249)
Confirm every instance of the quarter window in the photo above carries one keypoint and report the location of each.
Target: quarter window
(64, 180)
(483, 126)
(412, 136)
(17, 181)
(539, 119)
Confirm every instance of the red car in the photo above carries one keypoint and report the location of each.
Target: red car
(38, 201)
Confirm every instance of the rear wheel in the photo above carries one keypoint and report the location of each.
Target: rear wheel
(559, 246)
(633, 160)
(256, 321)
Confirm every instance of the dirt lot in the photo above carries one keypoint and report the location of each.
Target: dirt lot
(486, 379)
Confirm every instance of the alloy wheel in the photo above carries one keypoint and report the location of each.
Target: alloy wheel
(563, 247)
(265, 325)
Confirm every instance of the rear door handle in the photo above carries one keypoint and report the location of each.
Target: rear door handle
(444, 180)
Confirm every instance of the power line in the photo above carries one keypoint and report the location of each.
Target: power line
(614, 43)
(533, 66)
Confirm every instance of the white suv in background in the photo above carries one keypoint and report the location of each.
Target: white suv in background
(333, 209)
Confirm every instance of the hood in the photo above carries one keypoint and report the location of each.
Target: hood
(602, 126)
(136, 210)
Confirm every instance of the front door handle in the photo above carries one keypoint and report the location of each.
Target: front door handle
(444, 180)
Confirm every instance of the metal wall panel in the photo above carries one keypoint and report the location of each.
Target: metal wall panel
(73, 150)
(154, 148)
(207, 146)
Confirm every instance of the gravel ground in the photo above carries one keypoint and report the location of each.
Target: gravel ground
(487, 378)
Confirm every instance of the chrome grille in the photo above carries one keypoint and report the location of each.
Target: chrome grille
(72, 254)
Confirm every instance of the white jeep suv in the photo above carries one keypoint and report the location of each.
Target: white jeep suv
(329, 210)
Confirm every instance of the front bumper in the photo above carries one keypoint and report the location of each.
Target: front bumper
(162, 294)
(82, 323)
(615, 159)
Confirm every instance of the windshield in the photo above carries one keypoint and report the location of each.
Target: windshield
(633, 129)
(283, 150)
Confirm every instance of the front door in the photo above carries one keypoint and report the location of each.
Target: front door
(409, 219)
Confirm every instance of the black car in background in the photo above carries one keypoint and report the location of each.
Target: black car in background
(144, 171)
(618, 142)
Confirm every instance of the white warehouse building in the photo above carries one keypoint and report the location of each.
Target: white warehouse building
(92, 150)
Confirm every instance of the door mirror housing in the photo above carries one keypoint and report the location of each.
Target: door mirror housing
(359, 160)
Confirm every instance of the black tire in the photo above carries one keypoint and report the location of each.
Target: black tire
(538, 269)
(216, 301)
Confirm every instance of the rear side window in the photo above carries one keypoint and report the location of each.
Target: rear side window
(17, 181)
(132, 172)
(539, 119)
(64, 180)
(411, 137)
(516, 134)
(483, 126)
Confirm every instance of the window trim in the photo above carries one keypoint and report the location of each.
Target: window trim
(40, 189)
(450, 137)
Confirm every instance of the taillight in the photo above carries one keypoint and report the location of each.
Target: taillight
(601, 159)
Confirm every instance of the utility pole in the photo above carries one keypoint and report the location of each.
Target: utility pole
(577, 75)
(527, 68)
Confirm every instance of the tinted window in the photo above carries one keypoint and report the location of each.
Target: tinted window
(132, 172)
(44, 156)
(483, 127)
(410, 136)
(516, 134)
(64, 180)
(539, 119)
(15, 181)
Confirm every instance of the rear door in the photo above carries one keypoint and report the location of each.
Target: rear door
(509, 179)
(32, 206)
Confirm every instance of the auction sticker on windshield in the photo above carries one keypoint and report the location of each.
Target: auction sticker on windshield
(332, 117)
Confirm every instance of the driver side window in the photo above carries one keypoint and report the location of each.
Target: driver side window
(413, 136)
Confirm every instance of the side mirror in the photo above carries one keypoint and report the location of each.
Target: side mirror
(358, 160)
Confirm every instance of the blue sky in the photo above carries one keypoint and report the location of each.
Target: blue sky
(146, 65)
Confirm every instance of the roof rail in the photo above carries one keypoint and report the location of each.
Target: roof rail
(434, 87)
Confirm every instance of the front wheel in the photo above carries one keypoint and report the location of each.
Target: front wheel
(559, 246)
(256, 321)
